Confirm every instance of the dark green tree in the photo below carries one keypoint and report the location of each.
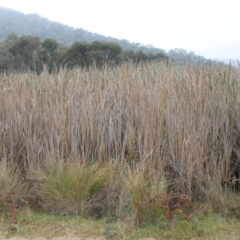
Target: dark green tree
(113, 52)
(77, 55)
(103, 52)
(61, 56)
(141, 57)
(157, 57)
(49, 52)
(6, 59)
(27, 52)
(129, 56)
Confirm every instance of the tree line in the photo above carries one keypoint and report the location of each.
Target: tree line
(12, 21)
(34, 25)
(30, 53)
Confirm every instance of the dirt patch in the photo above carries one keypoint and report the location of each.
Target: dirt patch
(60, 238)
(66, 237)
(69, 237)
(72, 238)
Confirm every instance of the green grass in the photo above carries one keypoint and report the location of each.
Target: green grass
(33, 224)
(131, 216)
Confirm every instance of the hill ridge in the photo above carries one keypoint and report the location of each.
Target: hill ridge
(12, 21)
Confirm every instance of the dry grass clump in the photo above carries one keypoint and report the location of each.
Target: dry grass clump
(10, 186)
(139, 200)
(68, 186)
(176, 129)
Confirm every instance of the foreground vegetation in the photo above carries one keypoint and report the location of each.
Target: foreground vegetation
(147, 146)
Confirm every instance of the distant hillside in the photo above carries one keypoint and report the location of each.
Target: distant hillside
(12, 21)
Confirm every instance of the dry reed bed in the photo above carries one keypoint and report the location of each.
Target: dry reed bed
(181, 123)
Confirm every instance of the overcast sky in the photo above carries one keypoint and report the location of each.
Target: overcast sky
(210, 28)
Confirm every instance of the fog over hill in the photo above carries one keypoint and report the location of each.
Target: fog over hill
(12, 21)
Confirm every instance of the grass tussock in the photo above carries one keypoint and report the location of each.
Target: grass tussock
(68, 186)
(10, 185)
(123, 135)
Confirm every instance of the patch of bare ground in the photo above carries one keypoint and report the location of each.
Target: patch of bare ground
(65, 237)
(70, 236)
(62, 238)
(222, 235)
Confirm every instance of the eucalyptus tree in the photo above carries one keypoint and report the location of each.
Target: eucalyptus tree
(49, 52)
(27, 51)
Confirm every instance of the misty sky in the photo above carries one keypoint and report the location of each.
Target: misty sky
(208, 27)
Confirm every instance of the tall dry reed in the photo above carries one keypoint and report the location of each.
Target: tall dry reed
(180, 123)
